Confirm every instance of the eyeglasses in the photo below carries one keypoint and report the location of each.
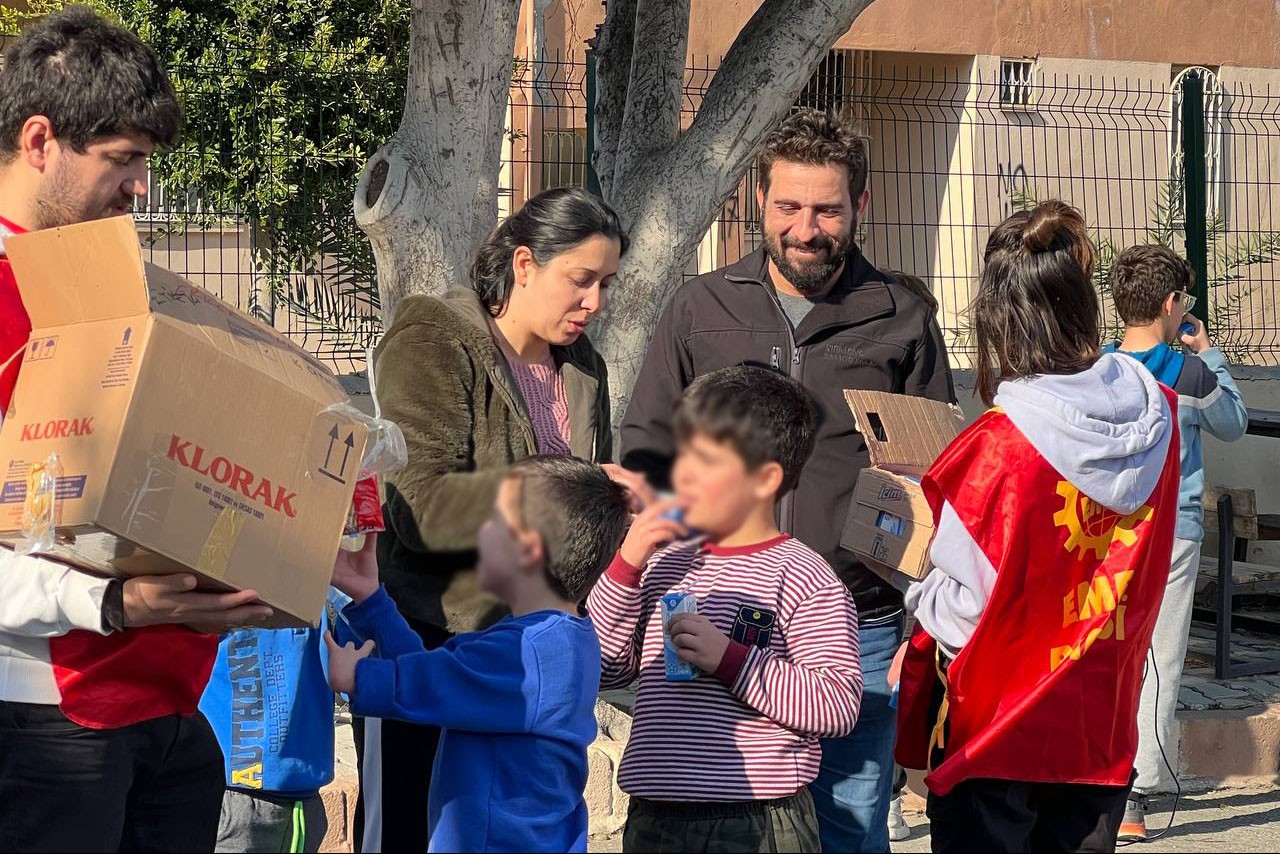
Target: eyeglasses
(1188, 301)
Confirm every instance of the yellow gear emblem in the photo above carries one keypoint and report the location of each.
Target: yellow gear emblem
(1094, 527)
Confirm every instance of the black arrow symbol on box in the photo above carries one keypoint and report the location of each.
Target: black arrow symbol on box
(350, 442)
(333, 438)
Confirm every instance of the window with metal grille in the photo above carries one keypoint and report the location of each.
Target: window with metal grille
(1017, 83)
(826, 88)
(564, 158)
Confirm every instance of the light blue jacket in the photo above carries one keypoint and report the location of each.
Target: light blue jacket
(1208, 401)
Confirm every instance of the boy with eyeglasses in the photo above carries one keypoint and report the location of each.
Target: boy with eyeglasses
(1150, 287)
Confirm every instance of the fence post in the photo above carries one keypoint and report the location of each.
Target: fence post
(593, 180)
(1194, 191)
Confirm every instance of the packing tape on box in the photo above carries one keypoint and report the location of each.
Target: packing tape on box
(148, 506)
(215, 553)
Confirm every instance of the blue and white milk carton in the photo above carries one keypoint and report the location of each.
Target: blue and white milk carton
(674, 604)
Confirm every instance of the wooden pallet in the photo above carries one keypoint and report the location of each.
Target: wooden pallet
(1244, 504)
(1250, 579)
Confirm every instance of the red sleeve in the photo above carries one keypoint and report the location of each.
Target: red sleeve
(15, 331)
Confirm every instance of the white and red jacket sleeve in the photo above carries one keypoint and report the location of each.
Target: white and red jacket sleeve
(41, 598)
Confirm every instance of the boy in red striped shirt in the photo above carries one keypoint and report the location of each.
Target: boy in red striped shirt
(723, 762)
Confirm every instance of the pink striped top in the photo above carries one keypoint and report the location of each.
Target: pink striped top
(791, 674)
(542, 388)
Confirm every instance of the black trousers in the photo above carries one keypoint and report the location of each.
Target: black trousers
(404, 760)
(153, 786)
(1003, 815)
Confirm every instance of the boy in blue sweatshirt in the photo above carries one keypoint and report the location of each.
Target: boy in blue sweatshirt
(516, 702)
(1150, 287)
(270, 704)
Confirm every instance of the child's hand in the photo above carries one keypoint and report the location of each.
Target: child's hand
(650, 531)
(356, 573)
(1198, 340)
(698, 641)
(639, 492)
(343, 661)
(895, 667)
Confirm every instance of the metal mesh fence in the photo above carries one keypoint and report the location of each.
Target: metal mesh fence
(956, 144)
(233, 205)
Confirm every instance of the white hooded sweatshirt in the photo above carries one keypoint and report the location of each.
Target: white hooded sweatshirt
(1106, 430)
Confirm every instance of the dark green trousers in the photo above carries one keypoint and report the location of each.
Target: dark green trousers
(784, 824)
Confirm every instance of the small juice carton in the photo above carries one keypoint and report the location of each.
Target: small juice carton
(674, 604)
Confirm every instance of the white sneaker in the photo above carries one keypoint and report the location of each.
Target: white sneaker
(898, 829)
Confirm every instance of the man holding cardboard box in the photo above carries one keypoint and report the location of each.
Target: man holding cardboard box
(101, 747)
(810, 305)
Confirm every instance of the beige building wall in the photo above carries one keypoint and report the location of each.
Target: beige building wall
(1095, 136)
(950, 160)
(1176, 31)
(919, 115)
(217, 260)
(1239, 32)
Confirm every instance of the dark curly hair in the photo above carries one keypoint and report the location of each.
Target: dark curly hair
(765, 416)
(816, 137)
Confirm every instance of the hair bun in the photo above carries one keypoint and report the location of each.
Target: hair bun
(1049, 221)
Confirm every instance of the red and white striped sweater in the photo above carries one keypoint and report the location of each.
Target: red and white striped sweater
(751, 730)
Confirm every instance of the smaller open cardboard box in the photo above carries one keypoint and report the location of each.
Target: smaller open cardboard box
(890, 525)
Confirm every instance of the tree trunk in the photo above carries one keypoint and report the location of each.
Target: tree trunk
(668, 192)
(429, 196)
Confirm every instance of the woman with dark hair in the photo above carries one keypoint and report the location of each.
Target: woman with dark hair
(478, 379)
(1055, 517)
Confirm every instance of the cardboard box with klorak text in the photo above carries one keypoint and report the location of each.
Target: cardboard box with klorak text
(190, 436)
(890, 525)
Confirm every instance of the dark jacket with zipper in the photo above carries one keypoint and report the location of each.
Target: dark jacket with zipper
(440, 376)
(868, 333)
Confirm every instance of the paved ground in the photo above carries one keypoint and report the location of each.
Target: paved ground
(1199, 689)
(1224, 820)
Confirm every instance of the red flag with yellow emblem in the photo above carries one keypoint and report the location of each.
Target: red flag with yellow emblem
(1047, 688)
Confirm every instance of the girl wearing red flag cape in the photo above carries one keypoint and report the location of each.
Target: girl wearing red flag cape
(1055, 518)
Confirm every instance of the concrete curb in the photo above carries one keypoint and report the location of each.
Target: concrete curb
(1231, 748)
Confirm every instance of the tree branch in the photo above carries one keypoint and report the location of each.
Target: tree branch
(670, 202)
(757, 82)
(613, 47)
(656, 86)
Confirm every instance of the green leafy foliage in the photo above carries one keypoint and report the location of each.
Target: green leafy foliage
(14, 18)
(284, 101)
